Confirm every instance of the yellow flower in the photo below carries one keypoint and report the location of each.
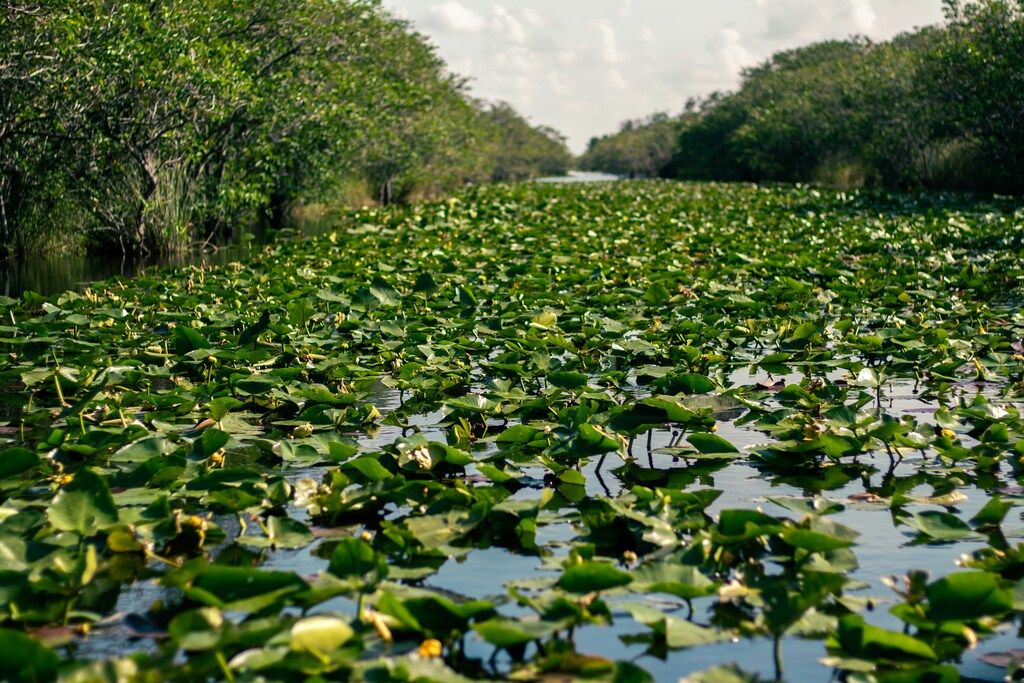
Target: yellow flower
(196, 521)
(949, 433)
(430, 649)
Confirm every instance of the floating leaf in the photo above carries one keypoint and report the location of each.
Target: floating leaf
(84, 506)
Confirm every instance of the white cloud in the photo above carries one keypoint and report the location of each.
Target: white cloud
(792, 22)
(505, 23)
(567, 57)
(533, 18)
(732, 53)
(863, 14)
(583, 66)
(616, 79)
(453, 16)
(609, 43)
(558, 85)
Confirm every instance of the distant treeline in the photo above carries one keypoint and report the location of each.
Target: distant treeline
(150, 125)
(942, 108)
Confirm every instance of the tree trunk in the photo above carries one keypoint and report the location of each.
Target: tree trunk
(10, 202)
(139, 219)
(279, 210)
(387, 192)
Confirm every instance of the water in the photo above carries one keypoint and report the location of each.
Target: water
(51, 274)
(882, 549)
(580, 177)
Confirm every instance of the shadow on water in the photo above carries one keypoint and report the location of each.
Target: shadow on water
(53, 273)
(50, 274)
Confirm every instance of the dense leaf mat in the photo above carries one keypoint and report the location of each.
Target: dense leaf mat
(549, 373)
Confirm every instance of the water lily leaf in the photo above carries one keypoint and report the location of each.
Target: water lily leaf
(342, 448)
(657, 294)
(319, 635)
(860, 639)
(197, 630)
(813, 541)
(729, 673)
(282, 532)
(688, 383)
(803, 332)
(243, 589)
(941, 526)
(412, 669)
(683, 581)
(807, 506)
(23, 658)
(355, 559)
(368, 467)
(84, 506)
(545, 320)
(209, 442)
(218, 408)
(868, 377)
(251, 334)
(589, 577)
(965, 596)
(16, 461)
(568, 380)
(711, 444)
(425, 282)
(992, 513)
(676, 633)
(509, 633)
(145, 449)
(188, 339)
(522, 434)
(739, 523)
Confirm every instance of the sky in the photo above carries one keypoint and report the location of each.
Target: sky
(584, 66)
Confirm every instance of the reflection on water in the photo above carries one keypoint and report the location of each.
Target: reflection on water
(883, 548)
(580, 177)
(50, 274)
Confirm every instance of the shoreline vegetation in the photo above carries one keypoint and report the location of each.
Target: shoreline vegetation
(938, 108)
(146, 128)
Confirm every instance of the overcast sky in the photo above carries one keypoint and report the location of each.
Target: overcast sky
(583, 66)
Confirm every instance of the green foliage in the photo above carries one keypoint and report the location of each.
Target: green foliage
(146, 126)
(519, 150)
(641, 149)
(940, 107)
